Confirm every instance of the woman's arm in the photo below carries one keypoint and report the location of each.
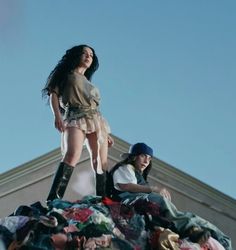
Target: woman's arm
(134, 188)
(110, 141)
(55, 106)
(162, 191)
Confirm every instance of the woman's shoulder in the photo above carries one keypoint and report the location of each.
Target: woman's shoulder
(78, 79)
(127, 167)
(76, 76)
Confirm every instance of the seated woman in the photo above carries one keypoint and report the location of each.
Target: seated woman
(128, 181)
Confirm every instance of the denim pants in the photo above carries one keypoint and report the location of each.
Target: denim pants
(182, 220)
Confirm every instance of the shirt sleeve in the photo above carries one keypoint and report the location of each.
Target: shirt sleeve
(124, 175)
(55, 90)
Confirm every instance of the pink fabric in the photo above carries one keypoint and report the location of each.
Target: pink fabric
(212, 244)
(186, 244)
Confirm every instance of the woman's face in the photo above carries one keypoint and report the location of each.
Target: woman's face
(86, 58)
(142, 161)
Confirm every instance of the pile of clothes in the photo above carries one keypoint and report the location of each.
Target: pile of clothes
(89, 224)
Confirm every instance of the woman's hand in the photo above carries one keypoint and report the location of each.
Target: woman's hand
(165, 193)
(110, 141)
(59, 124)
(55, 106)
(155, 189)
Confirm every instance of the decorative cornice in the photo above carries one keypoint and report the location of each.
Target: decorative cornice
(162, 173)
(192, 183)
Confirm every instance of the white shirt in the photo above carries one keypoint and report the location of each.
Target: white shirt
(124, 174)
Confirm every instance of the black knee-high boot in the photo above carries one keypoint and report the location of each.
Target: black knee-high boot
(61, 179)
(101, 184)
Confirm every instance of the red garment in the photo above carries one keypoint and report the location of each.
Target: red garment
(78, 214)
(147, 207)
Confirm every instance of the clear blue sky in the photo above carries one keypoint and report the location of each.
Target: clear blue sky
(167, 77)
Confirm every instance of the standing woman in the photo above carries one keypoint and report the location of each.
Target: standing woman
(74, 101)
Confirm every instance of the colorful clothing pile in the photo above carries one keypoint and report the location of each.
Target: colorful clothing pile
(90, 223)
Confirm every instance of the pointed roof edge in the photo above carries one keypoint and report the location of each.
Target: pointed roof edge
(162, 173)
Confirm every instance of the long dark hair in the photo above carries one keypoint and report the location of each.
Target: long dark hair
(131, 160)
(69, 62)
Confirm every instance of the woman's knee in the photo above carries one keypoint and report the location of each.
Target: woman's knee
(156, 198)
(71, 157)
(98, 161)
(104, 164)
(103, 156)
(94, 161)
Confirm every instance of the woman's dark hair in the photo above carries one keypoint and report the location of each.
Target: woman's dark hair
(130, 160)
(66, 65)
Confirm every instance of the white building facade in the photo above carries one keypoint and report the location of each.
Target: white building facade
(31, 182)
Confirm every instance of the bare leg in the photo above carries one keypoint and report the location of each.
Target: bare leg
(72, 145)
(103, 154)
(93, 148)
(98, 154)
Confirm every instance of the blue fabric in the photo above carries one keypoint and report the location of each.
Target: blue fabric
(182, 220)
(140, 148)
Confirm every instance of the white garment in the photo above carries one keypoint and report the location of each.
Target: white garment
(12, 223)
(123, 175)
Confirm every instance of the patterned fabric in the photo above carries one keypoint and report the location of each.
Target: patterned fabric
(13, 223)
(185, 244)
(78, 214)
(164, 239)
(93, 223)
(79, 102)
(88, 121)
